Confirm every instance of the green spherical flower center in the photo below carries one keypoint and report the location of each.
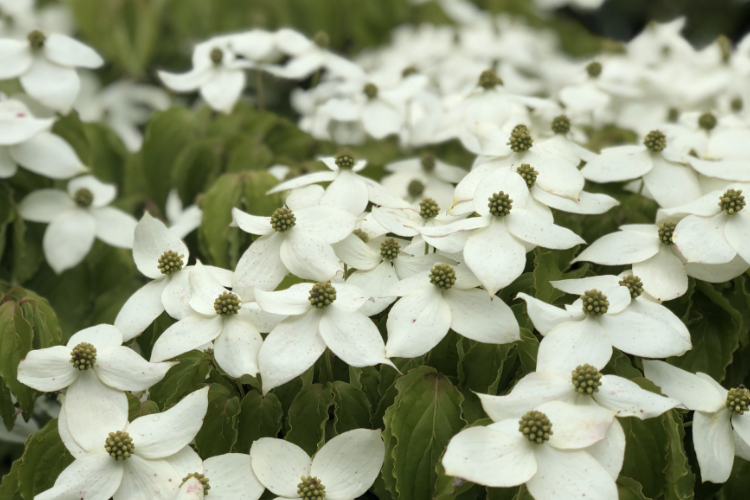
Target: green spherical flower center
(170, 262)
(371, 91)
(409, 70)
(119, 445)
(322, 295)
(311, 488)
(283, 219)
(227, 304)
(561, 124)
(666, 231)
(586, 379)
(500, 204)
(594, 69)
(535, 426)
(200, 477)
(36, 39)
(344, 161)
(595, 303)
(322, 39)
(443, 276)
(361, 235)
(732, 201)
(634, 285)
(428, 208)
(738, 400)
(428, 162)
(672, 115)
(389, 249)
(655, 141)
(707, 121)
(528, 173)
(83, 356)
(415, 188)
(520, 139)
(217, 55)
(83, 197)
(736, 104)
(489, 79)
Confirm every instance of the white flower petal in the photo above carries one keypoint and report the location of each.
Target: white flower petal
(124, 369)
(504, 180)
(660, 313)
(346, 193)
(49, 155)
(309, 256)
(331, 224)
(671, 184)
(222, 90)
(417, 323)
(290, 349)
(185, 335)
(556, 174)
(476, 315)
(741, 425)
(54, 86)
(622, 247)
(67, 438)
(176, 295)
(22, 126)
(47, 370)
(352, 336)
(610, 451)
(252, 224)
(96, 474)
(629, 400)
(304, 180)
(278, 465)
(152, 239)
(663, 275)
(204, 290)
(357, 254)
(163, 434)
(576, 426)
(349, 463)
(304, 197)
(186, 461)
(380, 120)
(68, 239)
(376, 283)
(261, 265)
(689, 389)
(45, 205)
(101, 336)
(529, 227)
(714, 444)
(701, 239)
(152, 479)
(232, 477)
(192, 489)
(641, 335)
(114, 227)
(737, 233)
(570, 474)
(619, 163)
(581, 285)
(104, 193)
(546, 316)
(236, 348)
(495, 256)
(588, 203)
(8, 167)
(185, 82)
(16, 58)
(293, 301)
(531, 391)
(574, 343)
(67, 51)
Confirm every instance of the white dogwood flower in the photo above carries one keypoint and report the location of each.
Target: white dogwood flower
(162, 256)
(343, 469)
(45, 66)
(320, 315)
(77, 217)
(545, 449)
(432, 302)
(427, 177)
(720, 422)
(222, 477)
(308, 56)
(511, 223)
(96, 368)
(219, 316)
(26, 141)
(182, 220)
(128, 460)
(586, 330)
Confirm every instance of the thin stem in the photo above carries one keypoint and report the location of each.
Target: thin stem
(259, 89)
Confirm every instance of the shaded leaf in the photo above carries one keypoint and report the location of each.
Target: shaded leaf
(219, 431)
(260, 416)
(307, 417)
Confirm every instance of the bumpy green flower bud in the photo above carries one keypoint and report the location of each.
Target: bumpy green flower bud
(283, 219)
(428, 162)
(428, 208)
(415, 188)
(736, 104)
(528, 173)
(217, 55)
(170, 262)
(311, 488)
(666, 231)
(389, 249)
(36, 39)
(322, 39)
(520, 139)
(500, 204)
(83, 356)
(200, 477)
(361, 235)
(732, 201)
(561, 124)
(119, 445)
(586, 379)
(595, 303)
(707, 121)
(672, 115)
(345, 161)
(634, 285)
(535, 426)
(371, 91)
(655, 141)
(594, 69)
(83, 197)
(322, 295)
(443, 276)
(227, 304)
(738, 399)
(489, 79)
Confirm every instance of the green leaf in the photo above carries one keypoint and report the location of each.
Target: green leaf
(7, 409)
(366, 379)
(308, 416)
(260, 416)
(679, 477)
(444, 356)
(256, 201)
(43, 459)
(480, 370)
(196, 166)
(43, 321)
(9, 485)
(250, 155)
(629, 489)
(27, 250)
(7, 214)
(550, 266)
(183, 378)
(527, 350)
(424, 416)
(645, 453)
(219, 431)
(222, 242)
(351, 408)
(16, 338)
(137, 409)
